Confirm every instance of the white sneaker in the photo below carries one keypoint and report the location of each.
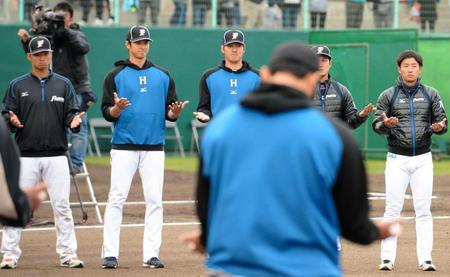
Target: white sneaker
(110, 21)
(8, 263)
(386, 265)
(98, 22)
(428, 266)
(73, 262)
(82, 23)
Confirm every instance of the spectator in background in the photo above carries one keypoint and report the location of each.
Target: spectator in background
(318, 11)
(290, 10)
(428, 13)
(87, 5)
(383, 13)
(272, 15)
(354, 10)
(154, 6)
(253, 10)
(231, 10)
(4, 11)
(28, 9)
(179, 14)
(200, 8)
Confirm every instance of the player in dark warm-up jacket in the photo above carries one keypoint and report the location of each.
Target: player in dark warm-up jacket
(39, 106)
(334, 98)
(270, 202)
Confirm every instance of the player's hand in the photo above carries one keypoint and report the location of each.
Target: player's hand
(192, 239)
(175, 109)
(202, 116)
(388, 228)
(366, 111)
(15, 120)
(36, 194)
(389, 122)
(438, 126)
(23, 35)
(76, 121)
(121, 103)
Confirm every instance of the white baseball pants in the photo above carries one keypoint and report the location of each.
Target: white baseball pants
(55, 172)
(416, 171)
(124, 164)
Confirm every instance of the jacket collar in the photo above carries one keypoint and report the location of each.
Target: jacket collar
(245, 66)
(127, 62)
(408, 90)
(50, 74)
(272, 98)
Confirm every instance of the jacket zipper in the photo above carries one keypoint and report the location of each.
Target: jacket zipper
(413, 125)
(42, 90)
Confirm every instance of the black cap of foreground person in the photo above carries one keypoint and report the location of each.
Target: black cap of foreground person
(295, 57)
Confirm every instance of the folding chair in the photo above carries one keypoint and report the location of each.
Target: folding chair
(176, 137)
(195, 125)
(99, 123)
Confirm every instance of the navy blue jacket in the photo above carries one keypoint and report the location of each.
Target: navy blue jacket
(221, 87)
(46, 108)
(270, 201)
(150, 90)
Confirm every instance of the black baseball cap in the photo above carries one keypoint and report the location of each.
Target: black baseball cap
(138, 33)
(233, 36)
(39, 44)
(322, 50)
(295, 57)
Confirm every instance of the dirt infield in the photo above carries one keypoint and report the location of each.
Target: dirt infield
(39, 257)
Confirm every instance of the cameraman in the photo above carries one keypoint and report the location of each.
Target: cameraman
(70, 60)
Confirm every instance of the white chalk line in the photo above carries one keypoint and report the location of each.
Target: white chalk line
(132, 203)
(382, 196)
(168, 224)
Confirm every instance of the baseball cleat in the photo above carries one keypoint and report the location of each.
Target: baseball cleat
(73, 262)
(386, 265)
(428, 266)
(153, 263)
(110, 262)
(8, 263)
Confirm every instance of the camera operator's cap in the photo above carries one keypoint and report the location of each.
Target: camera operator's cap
(322, 50)
(233, 36)
(294, 57)
(39, 44)
(138, 33)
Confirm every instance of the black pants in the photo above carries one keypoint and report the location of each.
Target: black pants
(423, 24)
(86, 5)
(318, 17)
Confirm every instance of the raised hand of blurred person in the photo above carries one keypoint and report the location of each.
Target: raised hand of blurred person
(36, 194)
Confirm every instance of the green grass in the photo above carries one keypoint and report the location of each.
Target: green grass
(377, 167)
(189, 164)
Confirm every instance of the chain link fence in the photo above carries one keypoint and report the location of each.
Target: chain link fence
(426, 15)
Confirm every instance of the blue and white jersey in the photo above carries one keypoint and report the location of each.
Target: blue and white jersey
(150, 90)
(221, 87)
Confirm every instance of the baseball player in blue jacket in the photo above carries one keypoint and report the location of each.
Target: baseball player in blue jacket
(138, 96)
(227, 83)
(270, 202)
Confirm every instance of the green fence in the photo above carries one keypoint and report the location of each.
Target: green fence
(364, 61)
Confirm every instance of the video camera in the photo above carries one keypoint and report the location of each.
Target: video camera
(46, 22)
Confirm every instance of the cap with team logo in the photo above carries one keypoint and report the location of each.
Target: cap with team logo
(322, 50)
(39, 44)
(138, 33)
(233, 36)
